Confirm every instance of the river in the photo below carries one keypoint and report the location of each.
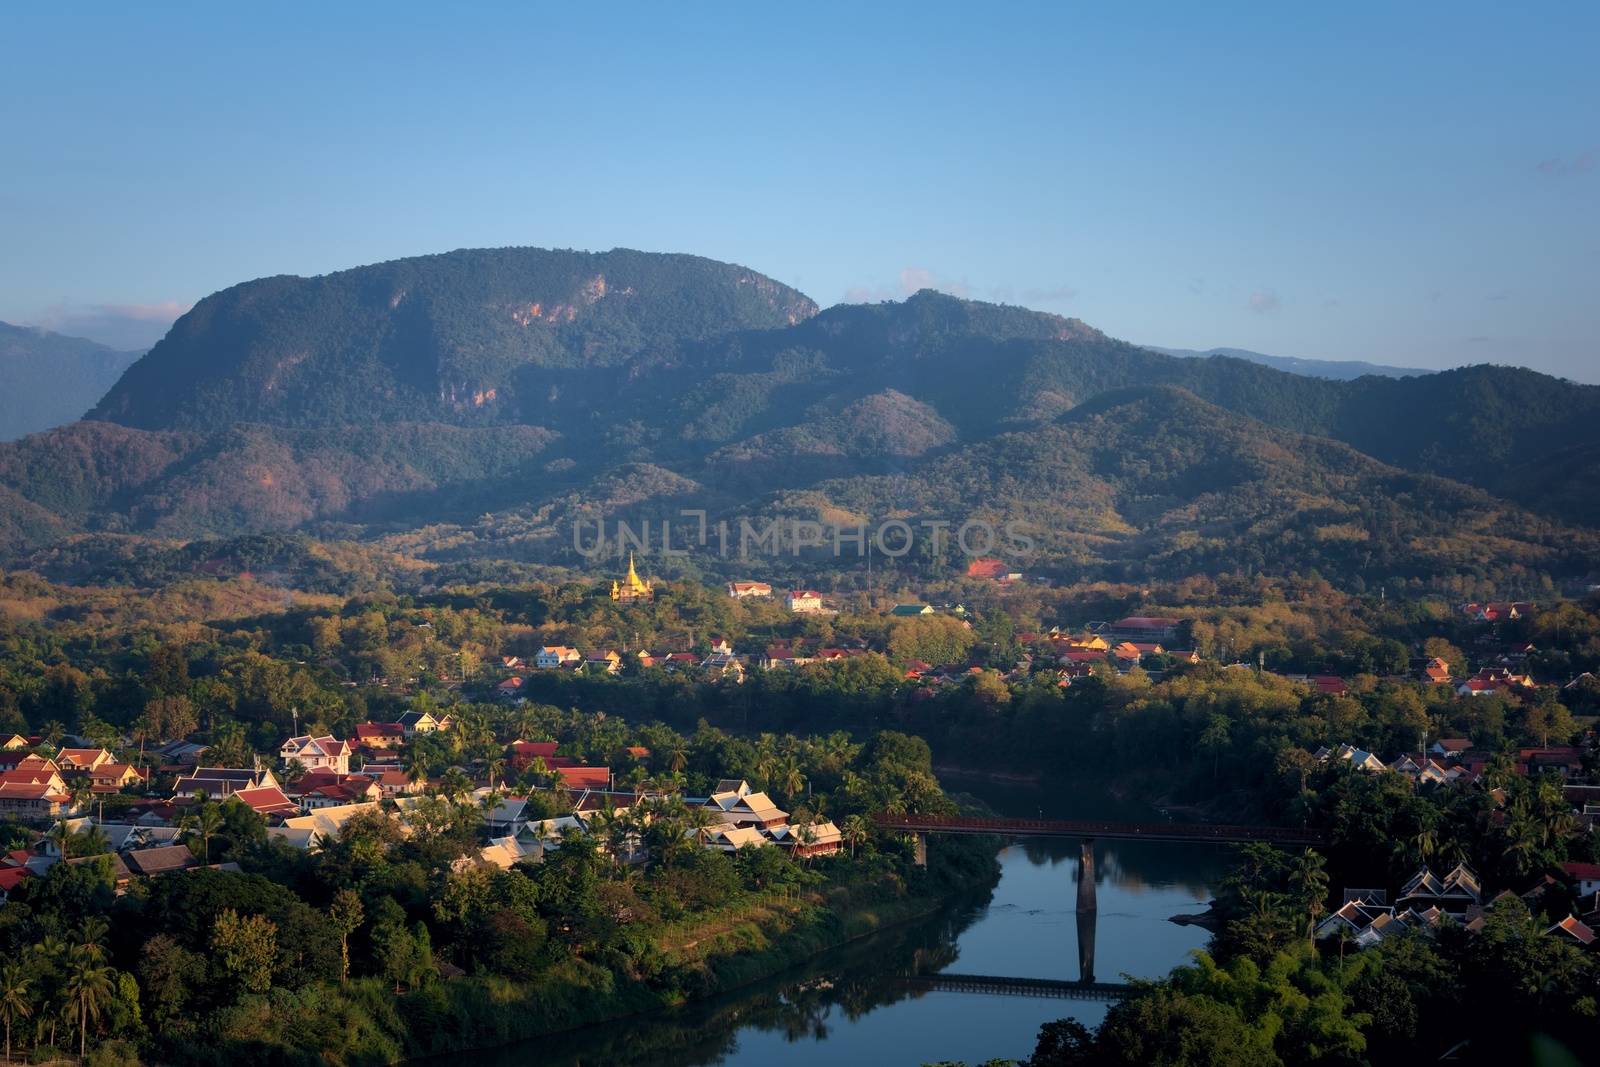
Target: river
(852, 1007)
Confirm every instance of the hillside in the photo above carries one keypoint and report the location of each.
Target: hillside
(1337, 369)
(476, 405)
(462, 337)
(48, 379)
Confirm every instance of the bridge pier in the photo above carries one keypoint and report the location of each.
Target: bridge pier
(1086, 891)
(919, 849)
(1088, 910)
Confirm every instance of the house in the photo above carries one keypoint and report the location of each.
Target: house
(508, 687)
(32, 799)
(1564, 760)
(82, 759)
(327, 790)
(11, 877)
(180, 753)
(733, 838)
(803, 601)
(1352, 917)
(266, 800)
(307, 832)
(1358, 758)
(584, 777)
(1328, 685)
(26, 761)
(422, 722)
(746, 590)
(114, 777)
(721, 646)
(1574, 930)
(380, 736)
(819, 839)
(1450, 747)
(1584, 877)
(1454, 893)
(554, 657)
(512, 663)
(521, 755)
(1436, 672)
(739, 806)
(317, 753)
(164, 859)
(911, 610)
(781, 655)
(608, 662)
(220, 782)
(506, 817)
(393, 782)
(14, 742)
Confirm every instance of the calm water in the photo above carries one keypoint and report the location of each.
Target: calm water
(850, 1007)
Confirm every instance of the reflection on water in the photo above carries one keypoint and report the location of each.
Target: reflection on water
(852, 1006)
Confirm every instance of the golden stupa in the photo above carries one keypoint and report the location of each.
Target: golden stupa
(632, 587)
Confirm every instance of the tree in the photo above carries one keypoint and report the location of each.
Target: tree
(1309, 881)
(346, 912)
(15, 1002)
(854, 831)
(89, 986)
(1214, 741)
(246, 947)
(202, 824)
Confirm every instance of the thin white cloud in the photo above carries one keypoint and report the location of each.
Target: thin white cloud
(1264, 301)
(915, 279)
(126, 326)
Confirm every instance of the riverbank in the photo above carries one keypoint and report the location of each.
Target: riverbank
(756, 938)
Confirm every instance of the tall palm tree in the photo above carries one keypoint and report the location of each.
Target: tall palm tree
(854, 831)
(15, 1002)
(495, 765)
(1309, 879)
(203, 822)
(60, 836)
(791, 779)
(88, 989)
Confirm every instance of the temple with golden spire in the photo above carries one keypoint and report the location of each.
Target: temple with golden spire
(632, 587)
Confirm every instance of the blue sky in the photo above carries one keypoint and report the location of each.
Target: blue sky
(1414, 184)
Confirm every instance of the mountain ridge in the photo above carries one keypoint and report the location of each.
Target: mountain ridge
(627, 380)
(48, 379)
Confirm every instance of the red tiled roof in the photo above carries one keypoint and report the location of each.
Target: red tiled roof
(1584, 872)
(11, 877)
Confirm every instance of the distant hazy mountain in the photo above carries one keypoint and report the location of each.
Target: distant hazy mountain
(476, 404)
(47, 379)
(1337, 369)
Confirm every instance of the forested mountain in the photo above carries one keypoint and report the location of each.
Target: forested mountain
(460, 337)
(475, 404)
(1338, 369)
(48, 379)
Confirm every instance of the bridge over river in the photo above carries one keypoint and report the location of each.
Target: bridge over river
(1086, 831)
(1056, 988)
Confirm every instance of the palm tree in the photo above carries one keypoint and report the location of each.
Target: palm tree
(495, 765)
(854, 831)
(792, 780)
(60, 836)
(203, 822)
(88, 988)
(677, 759)
(14, 1001)
(1309, 879)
